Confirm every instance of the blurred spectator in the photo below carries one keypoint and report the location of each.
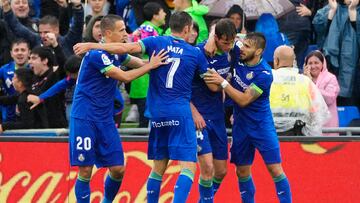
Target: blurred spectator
(48, 25)
(92, 32)
(6, 38)
(26, 119)
(194, 34)
(154, 15)
(125, 9)
(267, 25)
(21, 10)
(20, 52)
(337, 32)
(138, 6)
(296, 26)
(42, 62)
(316, 69)
(296, 103)
(237, 15)
(196, 12)
(96, 8)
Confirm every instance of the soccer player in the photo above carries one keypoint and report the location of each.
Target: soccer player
(253, 123)
(172, 135)
(93, 136)
(208, 115)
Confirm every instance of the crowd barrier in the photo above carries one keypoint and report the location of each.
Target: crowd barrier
(36, 169)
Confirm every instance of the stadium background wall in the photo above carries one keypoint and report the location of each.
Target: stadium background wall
(38, 171)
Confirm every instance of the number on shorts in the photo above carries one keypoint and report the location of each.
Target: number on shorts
(83, 143)
(199, 135)
(175, 62)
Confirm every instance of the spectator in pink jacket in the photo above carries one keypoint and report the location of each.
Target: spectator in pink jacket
(316, 69)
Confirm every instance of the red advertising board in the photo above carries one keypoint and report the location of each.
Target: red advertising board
(39, 172)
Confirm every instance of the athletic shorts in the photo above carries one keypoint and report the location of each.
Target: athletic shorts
(96, 143)
(172, 138)
(244, 143)
(213, 139)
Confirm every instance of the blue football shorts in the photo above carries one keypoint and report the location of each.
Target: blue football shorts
(244, 143)
(172, 138)
(213, 139)
(96, 143)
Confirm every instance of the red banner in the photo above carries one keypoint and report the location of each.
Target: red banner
(39, 172)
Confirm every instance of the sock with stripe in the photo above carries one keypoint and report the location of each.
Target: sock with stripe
(183, 186)
(283, 188)
(153, 187)
(111, 186)
(247, 189)
(82, 190)
(216, 184)
(206, 190)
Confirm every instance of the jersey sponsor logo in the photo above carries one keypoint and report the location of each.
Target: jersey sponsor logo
(176, 50)
(105, 59)
(223, 71)
(240, 82)
(165, 123)
(250, 75)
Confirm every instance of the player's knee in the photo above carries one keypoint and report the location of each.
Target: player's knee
(275, 170)
(85, 171)
(207, 170)
(243, 171)
(117, 172)
(220, 173)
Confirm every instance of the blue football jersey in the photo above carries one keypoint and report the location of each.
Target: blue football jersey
(95, 92)
(170, 85)
(257, 114)
(209, 103)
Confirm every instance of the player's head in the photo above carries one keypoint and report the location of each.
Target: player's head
(23, 79)
(41, 59)
(253, 46)
(155, 13)
(20, 51)
(284, 56)
(181, 24)
(225, 33)
(113, 28)
(72, 66)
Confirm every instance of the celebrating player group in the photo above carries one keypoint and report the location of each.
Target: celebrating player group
(185, 105)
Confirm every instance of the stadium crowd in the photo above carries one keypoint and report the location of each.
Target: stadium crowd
(39, 35)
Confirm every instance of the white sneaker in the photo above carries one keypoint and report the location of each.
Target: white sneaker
(133, 115)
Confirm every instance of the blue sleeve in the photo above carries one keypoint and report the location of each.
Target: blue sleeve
(262, 82)
(148, 45)
(57, 87)
(202, 63)
(101, 61)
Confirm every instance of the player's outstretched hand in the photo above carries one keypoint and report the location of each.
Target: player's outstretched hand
(35, 100)
(158, 59)
(81, 48)
(212, 77)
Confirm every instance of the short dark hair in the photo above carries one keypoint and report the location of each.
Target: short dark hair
(317, 54)
(225, 27)
(72, 64)
(108, 22)
(179, 20)
(151, 9)
(25, 76)
(44, 53)
(257, 38)
(19, 41)
(50, 20)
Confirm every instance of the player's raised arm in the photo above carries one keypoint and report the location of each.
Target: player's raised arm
(241, 98)
(127, 76)
(115, 48)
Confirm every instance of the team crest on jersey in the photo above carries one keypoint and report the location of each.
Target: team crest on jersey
(250, 75)
(105, 59)
(81, 157)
